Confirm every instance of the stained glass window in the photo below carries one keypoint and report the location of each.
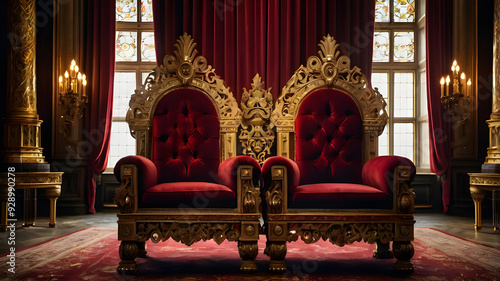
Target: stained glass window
(126, 10)
(404, 10)
(147, 10)
(381, 47)
(382, 11)
(148, 47)
(126, 46)
(404, 47)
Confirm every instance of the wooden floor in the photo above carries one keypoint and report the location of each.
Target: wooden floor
(459, 226)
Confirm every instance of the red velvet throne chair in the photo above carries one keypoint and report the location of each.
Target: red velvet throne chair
(327, 181)
(184, 183)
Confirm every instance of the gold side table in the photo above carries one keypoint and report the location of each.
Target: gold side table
(479, 183)
(30, 182)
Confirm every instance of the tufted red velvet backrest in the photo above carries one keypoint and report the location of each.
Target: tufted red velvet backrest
(329, 137)
(186, 137)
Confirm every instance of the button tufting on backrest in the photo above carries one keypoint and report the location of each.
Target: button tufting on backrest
(328, 138)
(186, 127)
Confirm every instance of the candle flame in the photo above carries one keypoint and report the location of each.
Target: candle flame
(442, 81)
(76, 68)
(79, 76)
(60, 79)
(469, 82)
(73, 62)
(84, 77)
(455, 62)
(448, 79)
(66, 74)
(84, 82)
(462, 76)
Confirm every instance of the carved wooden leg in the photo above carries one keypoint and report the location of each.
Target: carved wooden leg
(478, 196)
(248, 252)
(382, 251)
(128, 253)
(53, 193)
(403, 251)
(141, 249)
(277, 253)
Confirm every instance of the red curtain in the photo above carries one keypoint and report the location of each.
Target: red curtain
(100, 64)
(273, 38)
(439, 20)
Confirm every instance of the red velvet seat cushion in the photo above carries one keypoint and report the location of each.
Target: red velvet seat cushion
(188, 194)
(339, 196)
(186, 137)
(329, 137)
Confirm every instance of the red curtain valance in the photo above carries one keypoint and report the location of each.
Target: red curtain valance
(270, 37)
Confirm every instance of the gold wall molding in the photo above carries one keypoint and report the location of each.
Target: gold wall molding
(329, 70)
(256, 135)
(184, 69)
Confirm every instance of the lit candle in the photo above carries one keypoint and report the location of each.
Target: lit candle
(469, 85)
(84, 83)
(448, 85)
(76, 68)
(66, 76)
(61, 88)
(457, 69)
(442, 86)
(462, 83)
(72, 67)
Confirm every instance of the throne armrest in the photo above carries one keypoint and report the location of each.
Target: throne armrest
(379, 171)
(292, 171)
(392, 174)
(228, 171)
(279, 175)
(147, 173)
(242, 172)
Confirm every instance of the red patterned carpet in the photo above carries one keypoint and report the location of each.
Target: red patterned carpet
(92, 254)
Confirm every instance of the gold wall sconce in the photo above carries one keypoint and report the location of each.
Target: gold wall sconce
(72, 98)
(456, 95)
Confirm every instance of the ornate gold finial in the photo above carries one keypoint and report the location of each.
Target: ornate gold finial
(256, 135)
(328, 48)
(185, 63)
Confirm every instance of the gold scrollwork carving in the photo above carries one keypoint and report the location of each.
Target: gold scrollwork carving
(184, 69)
(329, 70)
(125, 193)
(485, 181)
(22, 98)
(257, 136)
(251, 196)
(405, 203)
(187, 233)
(274, 198)
(342, 233)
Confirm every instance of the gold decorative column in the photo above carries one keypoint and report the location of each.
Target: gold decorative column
(22, 126)
(489, 178)
(22, 133)
(493, 156)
